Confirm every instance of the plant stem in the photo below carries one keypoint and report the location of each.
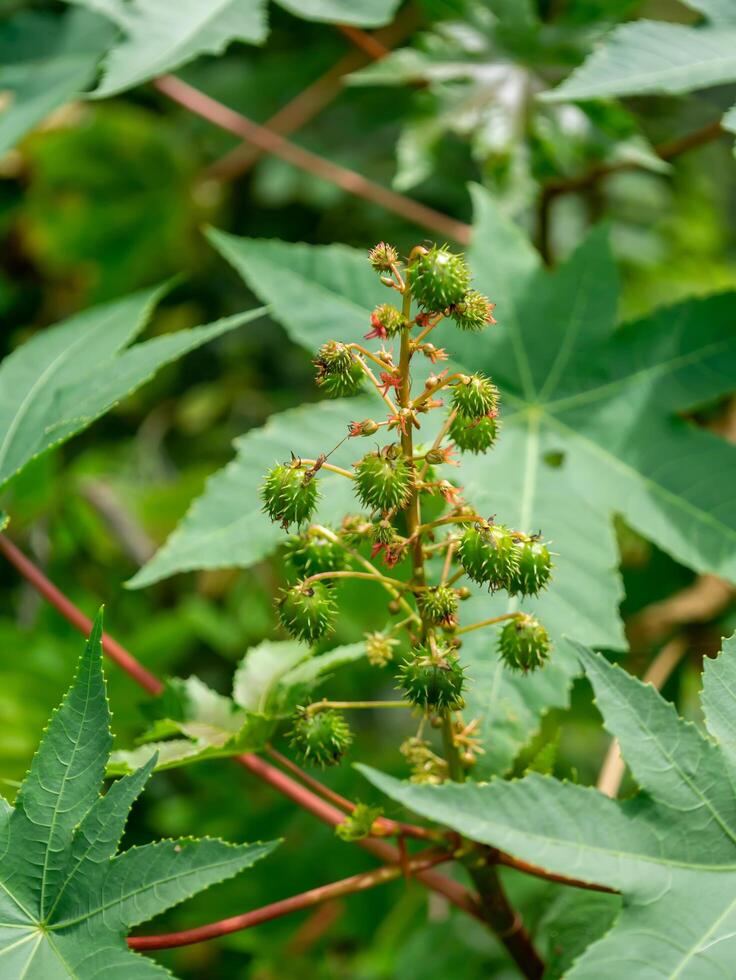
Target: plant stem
(369, 576)
(324, 705)
(487, 622)
(356, 556)
(383, 826)
(376, 383)
(328, 466)
(315, 896)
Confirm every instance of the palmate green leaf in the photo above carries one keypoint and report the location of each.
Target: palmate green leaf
(67, 898)
(159, 37)
(590, 429)
(68, 375)
(193, 722)
(670, 851)
(654, 57)
(46, 61)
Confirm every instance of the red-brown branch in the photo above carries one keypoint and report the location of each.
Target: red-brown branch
(319, 94)
(270, 142)
(382, 826)
(132, 667)
(306, 900)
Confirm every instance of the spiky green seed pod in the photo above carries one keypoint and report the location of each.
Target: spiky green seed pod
(307, 610)
(321, 738)
(383, 481)
(474, 311)
(535, 568)
(289, 494)
(338, 374)
(438, 605)
(309, 554)
(439, 278)
(489, 555)
(433, 680)
(387, 320)
(524, 643)
(383, 256)
(383, 532)
(476, 435)
(474, 395)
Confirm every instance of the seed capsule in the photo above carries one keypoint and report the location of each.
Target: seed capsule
(476, 435)
(309, 554)
(432, 679)
(474, 395)
(383, 480)
(383, 256)
(338, 374)
(289, 494)
(438, 605)
(474, 312)
(322, 738)
(307, 610)
(535, 568)
(524, 643)
(439, 278)
(489, 555)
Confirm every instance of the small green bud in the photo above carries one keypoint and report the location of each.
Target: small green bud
(524, 643)
(307, 610)
(322, 738)
(387, 321)
(433, 679)
(365, 428)
(383, 480)
(489, 555)
(338, 374)
(439, 278)
(383, 256)
(355, 529)
(358, 824)
(474, 396)
(476, 435)
(438, 605)
(535, 568)
(309, 554)
(474, 312)
(289, 494)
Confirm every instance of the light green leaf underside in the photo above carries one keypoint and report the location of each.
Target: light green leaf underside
(67, 901)
(68, 375)
(653, 57)
(671, 850)
(367, 13)
(717, 11)
(160, 38)
(271, 681)
(45, 61)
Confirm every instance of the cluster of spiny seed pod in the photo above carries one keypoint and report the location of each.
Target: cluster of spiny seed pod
(392, 482)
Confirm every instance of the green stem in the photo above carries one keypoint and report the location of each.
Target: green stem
(454, 762)
(487, 622)
(325, 705)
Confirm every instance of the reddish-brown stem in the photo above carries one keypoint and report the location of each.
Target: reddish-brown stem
(315, 97)
(315, 896)
(76, 617)
(270, 142)
(367, 43)
(383, 826)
